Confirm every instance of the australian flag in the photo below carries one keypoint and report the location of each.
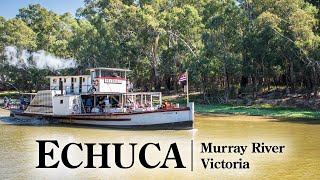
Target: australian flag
(183, 78)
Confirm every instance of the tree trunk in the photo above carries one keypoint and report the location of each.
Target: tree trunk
(156, 74)
(263, 75)
(315, 87)
(226, 79)
(292, 77)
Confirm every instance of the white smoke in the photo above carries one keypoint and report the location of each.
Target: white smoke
(39, 59)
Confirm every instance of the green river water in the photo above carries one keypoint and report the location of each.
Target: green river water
(300, 158)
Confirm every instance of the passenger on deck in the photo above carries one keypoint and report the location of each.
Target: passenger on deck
(131, 87)
(10, 103)
(5, 102)
(22, 103)
(106, 102)
(88, 105)
(114, 75)
(99, 106)
(137, 105)
(100, 101)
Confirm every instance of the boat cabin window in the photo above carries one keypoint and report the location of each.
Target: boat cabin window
(97, 72)
(65, 80)
(110, 73)
(61, 101)
(83, 79)
(106, 73)
(75, 80)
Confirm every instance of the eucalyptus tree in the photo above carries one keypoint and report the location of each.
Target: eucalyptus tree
(16, 33)
(171, 36)
(101, 17)
(223, 39)
(298, 25)
(52, 30)
(281, 34)
(182, 42)
(144, 34)
(82, 44)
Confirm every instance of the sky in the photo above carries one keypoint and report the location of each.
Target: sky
(10, 8)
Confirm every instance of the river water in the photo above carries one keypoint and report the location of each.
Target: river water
(300, 157)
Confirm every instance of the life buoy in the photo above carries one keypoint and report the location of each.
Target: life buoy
(168, 105)
(96, 82)
(164, 106)
(75, 107)
(93, 89)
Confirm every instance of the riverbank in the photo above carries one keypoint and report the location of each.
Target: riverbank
(9, 94)
(263, 109)
(281, 114)
(258, 110)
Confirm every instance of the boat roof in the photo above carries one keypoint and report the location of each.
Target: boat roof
(28, 93)
(128, 93)
(69, 76)
(109, 69)
(102, 93)
(143, 93)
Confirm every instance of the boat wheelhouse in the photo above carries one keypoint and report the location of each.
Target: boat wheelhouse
(102, 98)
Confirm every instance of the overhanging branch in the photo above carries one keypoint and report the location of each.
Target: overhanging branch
(185, 42)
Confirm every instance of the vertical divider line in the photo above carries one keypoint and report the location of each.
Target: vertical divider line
(192, 155)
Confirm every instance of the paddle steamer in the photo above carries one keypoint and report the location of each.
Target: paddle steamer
(105, 98)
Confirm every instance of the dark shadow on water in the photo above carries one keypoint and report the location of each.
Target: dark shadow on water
(212, 114)
(40, 123)
(311, 121)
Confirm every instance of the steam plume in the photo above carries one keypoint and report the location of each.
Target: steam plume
(39, 59)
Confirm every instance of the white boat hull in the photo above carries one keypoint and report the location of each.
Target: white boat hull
(152, 120)
(177, 118)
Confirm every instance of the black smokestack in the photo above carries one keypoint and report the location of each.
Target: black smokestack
(61, 86)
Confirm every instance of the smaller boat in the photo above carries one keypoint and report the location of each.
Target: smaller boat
(103, 99)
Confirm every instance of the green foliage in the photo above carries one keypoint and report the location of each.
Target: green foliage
(18, 33)
(229, 45)
(260, 110)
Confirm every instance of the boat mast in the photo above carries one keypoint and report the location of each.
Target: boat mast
(187, 86)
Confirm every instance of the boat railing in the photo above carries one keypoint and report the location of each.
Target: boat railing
(74, 90)
(15, 104)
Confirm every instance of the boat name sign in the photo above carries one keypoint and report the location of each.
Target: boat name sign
(113, 81)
